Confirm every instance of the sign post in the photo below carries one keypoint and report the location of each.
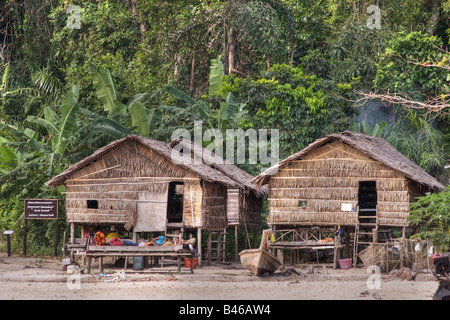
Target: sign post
(8, 234)
(40, 209)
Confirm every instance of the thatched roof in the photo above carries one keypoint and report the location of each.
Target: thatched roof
(376, 148)
(203, 171)
(214, 161)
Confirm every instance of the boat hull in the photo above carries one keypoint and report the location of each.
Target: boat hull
(259, 261)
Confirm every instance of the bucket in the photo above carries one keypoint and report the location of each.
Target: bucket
(187, 263)
(345, 263)
(138, 263)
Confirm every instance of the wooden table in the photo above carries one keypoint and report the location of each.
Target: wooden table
(297, 245)
(135, 251)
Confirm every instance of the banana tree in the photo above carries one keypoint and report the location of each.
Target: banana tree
(376, 131)
(60, 128)
(143, 120)
(220, 118)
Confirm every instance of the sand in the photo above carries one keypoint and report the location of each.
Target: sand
(30, 278)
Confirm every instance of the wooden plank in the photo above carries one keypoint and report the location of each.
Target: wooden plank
(132, 178)
(151, 216)
(326, 177)
(137, 249)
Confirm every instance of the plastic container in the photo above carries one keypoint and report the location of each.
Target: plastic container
(345, 263)
(187, 263)
(138, 263)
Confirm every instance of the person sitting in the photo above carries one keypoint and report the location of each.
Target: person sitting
(158, 241)
(116, 241)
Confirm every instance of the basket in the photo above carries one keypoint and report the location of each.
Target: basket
(345, 263)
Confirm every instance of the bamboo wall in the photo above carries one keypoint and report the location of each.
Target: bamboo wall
(214, 206)
(244, 208)
(116, 180)
(328, 177)
(192, 204)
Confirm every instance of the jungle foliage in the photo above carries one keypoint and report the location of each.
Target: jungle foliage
(76, 75)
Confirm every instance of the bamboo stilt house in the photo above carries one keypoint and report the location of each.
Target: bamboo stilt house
(142, 185)
(344, 180)
(244, 205)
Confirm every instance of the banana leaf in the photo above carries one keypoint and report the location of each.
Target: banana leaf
(106, 91)
(139, 118)
(70, 108)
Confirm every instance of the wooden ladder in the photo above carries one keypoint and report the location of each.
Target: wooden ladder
(173, 230)
(366, 233)
(217, 248)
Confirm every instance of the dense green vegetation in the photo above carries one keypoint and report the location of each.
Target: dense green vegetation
(76, 78)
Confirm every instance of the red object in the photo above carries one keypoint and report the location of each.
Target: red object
(345, 263)
(187, 263)
(434, 256)
(116, 242)
(425, 64)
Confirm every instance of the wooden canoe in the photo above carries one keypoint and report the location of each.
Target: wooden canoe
(259, 261)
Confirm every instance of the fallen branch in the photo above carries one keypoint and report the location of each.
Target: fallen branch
(436, 106)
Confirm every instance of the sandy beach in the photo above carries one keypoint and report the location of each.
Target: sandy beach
(30, 278)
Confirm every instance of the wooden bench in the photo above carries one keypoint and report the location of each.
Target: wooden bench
(135, 251)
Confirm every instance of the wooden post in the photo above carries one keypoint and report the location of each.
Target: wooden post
(209, 248)
(25, 237)
(219, 245)
(89, 264)
(57, 237)
(199, 246)
(72, 232)
(8, 240)
(402, 253)
(347, 242)
(236, 244)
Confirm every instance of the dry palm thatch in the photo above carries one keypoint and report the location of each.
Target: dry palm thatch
(376, 148)
(204, 172)
(224, 166)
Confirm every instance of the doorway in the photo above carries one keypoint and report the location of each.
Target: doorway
(175, 202)
(367, 202)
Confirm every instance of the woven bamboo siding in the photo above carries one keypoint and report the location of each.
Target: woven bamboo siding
(192, 200)
(116, 180)
(233, 207)
(250, 207)
(214, 209)
(326, 178)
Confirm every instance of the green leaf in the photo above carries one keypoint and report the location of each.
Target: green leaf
(70, 108)
(179, 94)
(154, 117)
(8, 155)
(51, 127)
(366, 127)
(136, 98)
(215, 75)
(139, 118)
(103, 125)
(51, 116)
(106, 91)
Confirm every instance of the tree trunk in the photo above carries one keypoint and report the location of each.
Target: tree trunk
(435, 16)
(135, 15)
(231, 50)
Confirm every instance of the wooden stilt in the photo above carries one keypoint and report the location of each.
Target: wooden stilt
(199, 246)
(236, 244)
(209, 248)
